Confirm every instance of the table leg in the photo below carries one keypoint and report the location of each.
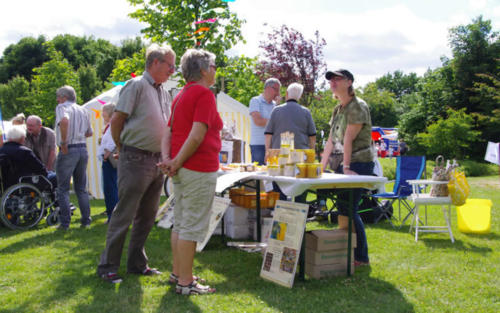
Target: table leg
(259, 225)
(302, 259)
(349, 234)
(447, 219)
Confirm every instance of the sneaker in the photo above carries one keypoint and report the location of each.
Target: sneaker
(193, 288)
(84, 225)
(61, 227)
(111, 278)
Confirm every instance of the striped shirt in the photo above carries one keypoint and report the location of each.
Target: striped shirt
(79, 122)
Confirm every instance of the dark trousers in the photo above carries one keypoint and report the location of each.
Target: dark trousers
(361, 250)
(258, 153)
(109, 186)
(139, 188)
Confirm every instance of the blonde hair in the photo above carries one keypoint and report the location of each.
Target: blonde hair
(19, 119)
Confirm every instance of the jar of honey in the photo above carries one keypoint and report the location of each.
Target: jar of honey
(301, 170)
(314, 170)
(310, 155)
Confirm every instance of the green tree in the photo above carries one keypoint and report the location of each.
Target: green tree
(89, 82)
(124, 67)
(22, 57)
(321, 107)
(82, 51)
(173, 22)
(14, 97)
(451, 137)
(382, 105)
(398, 83)
(476, 49)
(130, 46)
(52, 75)
(238, 79)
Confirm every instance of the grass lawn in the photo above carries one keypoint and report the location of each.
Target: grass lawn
(44, 270)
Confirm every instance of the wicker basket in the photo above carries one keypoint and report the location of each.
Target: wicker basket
(246, 199)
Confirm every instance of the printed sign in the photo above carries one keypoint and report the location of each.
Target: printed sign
(283, 247)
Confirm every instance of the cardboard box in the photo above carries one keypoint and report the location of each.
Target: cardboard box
(237, 231)
(328, 257)
(226, 152)
(238, 151)
(328, 270)
(236, 215)
(323, 240)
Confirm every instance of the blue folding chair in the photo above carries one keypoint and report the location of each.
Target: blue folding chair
(407, 168)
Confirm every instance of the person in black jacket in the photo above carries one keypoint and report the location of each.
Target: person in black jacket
(22, 160)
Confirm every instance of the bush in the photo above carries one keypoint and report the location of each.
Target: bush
(473, 168)
(469, 167)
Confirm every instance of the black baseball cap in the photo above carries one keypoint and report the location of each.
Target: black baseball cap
(341, 73)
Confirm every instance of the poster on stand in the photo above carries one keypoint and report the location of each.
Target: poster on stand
(219, 207)
(283, 247)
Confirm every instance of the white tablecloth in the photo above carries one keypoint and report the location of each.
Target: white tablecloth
(292, 186)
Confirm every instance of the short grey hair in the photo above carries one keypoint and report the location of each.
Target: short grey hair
(294, 91)
(271, 82)
(35, 118)
(16, 133)
(193, 61)
(67, 92)
(156, 51)
(109, 108)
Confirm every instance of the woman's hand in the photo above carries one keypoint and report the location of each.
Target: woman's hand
(169, 167)
(348, 171)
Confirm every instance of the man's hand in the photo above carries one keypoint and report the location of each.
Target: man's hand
(64, 148)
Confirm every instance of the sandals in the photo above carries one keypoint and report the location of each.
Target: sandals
(193, 288)
(173, 279)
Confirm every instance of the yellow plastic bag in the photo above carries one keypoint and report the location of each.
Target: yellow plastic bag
(458, 188)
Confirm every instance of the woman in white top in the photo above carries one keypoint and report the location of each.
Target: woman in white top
(105, 154)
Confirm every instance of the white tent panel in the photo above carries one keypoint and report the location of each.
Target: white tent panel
(232, 110)
(94, 165)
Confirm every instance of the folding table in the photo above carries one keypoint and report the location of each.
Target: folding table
(293, 187)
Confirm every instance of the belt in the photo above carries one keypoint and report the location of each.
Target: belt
(77, 145)
(137, 150)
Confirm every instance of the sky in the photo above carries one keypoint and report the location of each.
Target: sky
(368, 37)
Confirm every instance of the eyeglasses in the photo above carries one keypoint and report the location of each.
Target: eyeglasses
(170, 66)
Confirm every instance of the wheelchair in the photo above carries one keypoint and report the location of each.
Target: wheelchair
(25, 204)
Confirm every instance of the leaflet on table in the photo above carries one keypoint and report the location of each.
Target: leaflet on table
(283, 247)
(219, 207)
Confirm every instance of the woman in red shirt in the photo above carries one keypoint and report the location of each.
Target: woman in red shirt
(190, 151)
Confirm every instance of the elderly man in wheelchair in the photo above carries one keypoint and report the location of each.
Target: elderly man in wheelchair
(27, 189)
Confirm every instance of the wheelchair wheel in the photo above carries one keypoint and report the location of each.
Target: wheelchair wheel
(168, 186)
(53, 217)
(22, 206)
